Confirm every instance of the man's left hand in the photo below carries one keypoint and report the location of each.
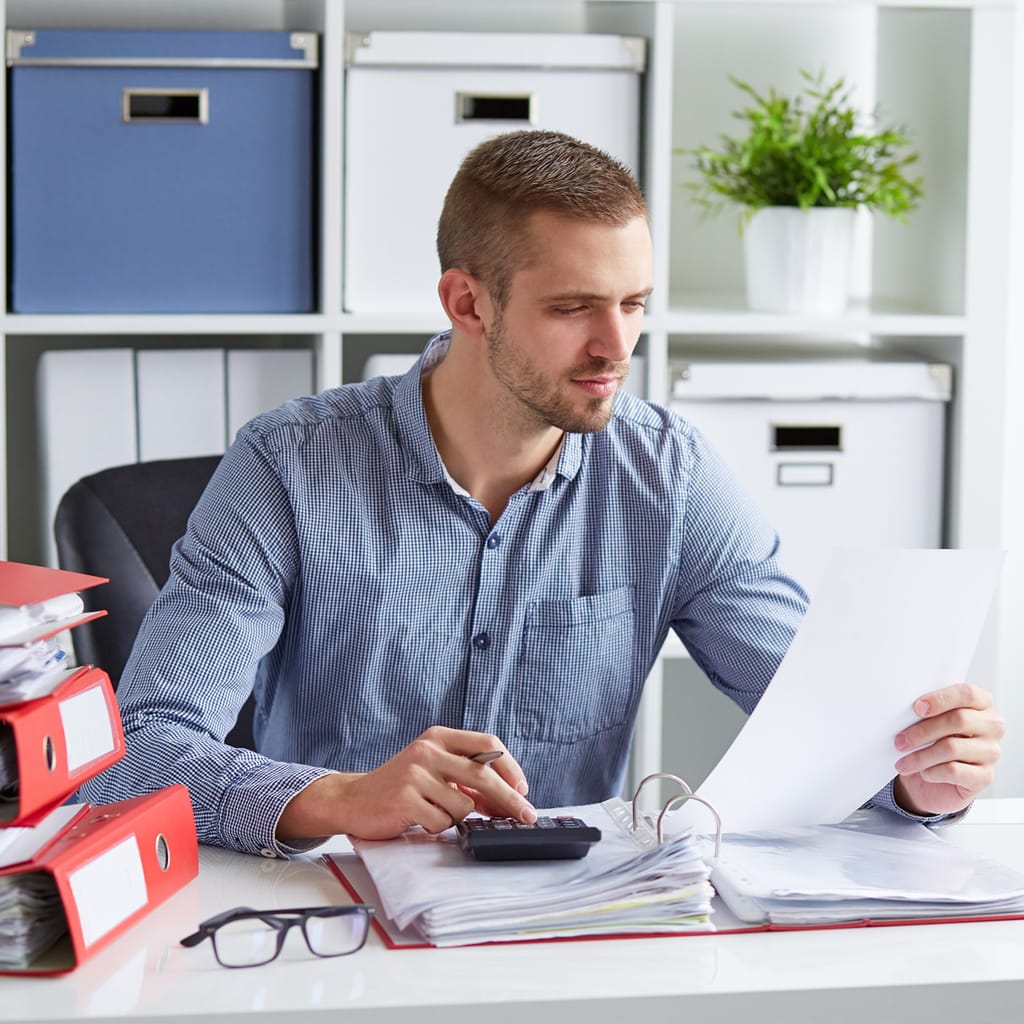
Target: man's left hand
(958, 739)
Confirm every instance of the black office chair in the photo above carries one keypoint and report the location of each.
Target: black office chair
(121, 523)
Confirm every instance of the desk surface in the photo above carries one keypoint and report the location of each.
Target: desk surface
(931, 973)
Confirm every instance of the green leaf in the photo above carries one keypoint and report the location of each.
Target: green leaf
(811, 149)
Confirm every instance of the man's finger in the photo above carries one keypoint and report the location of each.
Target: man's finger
(964, 722)
(469, 744)
(442, 806)
(494, 791)
(952, 749)
(508, 768)
(970, 778)
(960, 695)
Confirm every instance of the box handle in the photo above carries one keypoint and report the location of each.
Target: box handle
(804, 474)
(807, 437)
(165, 106)
(474, 106)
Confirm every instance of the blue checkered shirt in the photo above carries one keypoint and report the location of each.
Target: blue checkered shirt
(332, 569)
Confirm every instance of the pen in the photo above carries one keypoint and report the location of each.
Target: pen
(486, 756)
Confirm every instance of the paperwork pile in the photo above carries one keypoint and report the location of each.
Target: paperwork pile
(32, 617)
(72, 876)
(31, 918)
(627, 884)
(32, 662)
(31, 671)
(823, 875)
(23, 622)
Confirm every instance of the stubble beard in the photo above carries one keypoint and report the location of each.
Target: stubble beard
(549, 402)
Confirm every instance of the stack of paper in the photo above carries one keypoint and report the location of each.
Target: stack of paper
(31, 914)
(31, 918)
(31, 671)
(37, 605)
(17, 620)
(72, 883)
(830, 874)
(627, 884)
(75, 871)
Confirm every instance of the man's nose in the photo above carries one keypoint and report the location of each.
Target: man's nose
(613, 337)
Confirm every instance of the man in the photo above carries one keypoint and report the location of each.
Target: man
(483, 555)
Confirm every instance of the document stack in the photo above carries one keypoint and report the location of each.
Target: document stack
(72, 876)
(629, 883)
(874, 868)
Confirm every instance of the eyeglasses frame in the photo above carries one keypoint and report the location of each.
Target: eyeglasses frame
(276, 919)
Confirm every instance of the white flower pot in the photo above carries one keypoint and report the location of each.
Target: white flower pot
(798, 261)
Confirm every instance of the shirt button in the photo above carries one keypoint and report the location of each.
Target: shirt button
(481, 641)
(267, 852)
(494, 540)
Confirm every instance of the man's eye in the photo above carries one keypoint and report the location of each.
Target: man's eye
(635, 307)
(570, 310)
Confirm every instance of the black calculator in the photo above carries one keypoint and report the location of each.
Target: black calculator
(560, 838)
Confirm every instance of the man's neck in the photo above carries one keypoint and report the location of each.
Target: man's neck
(486, 450)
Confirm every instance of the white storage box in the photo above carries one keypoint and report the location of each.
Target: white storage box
(837, 453)
(417, 102)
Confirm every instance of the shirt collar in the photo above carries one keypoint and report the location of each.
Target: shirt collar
(423, 460)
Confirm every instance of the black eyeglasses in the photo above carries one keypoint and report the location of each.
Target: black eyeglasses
(244, 937)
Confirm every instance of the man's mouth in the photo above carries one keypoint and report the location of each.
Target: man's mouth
(598, 387)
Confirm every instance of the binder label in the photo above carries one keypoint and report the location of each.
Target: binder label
(109, 889)
(88, 733)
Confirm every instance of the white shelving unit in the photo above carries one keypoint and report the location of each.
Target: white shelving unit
(940, 287)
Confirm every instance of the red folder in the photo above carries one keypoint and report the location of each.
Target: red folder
(61, 740)
(32, 584)
(22, 584)
(112, 866)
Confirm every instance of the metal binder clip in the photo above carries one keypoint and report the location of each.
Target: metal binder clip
(687, 794)
(682, 798)
(685, 786)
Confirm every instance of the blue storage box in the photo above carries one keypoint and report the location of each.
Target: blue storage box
(161, 172)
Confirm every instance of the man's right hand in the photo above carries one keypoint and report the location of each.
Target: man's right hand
(431, 783)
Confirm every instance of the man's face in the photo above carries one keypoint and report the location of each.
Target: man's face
(560, 348)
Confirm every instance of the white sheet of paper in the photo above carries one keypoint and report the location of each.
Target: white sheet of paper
(884, 628)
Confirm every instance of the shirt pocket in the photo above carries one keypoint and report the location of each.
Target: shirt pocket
(574, 677)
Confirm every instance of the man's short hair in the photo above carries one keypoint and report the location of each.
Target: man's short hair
(484, 222)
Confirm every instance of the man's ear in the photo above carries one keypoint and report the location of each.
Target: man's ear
(464, 299)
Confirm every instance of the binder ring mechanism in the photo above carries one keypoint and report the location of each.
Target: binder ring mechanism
(670, 804)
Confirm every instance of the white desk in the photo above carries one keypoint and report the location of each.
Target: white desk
(962, 972)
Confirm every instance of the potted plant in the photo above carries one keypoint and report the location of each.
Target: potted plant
(805, 166)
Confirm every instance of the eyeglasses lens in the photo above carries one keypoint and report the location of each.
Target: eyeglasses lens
(245, 943)
(336, 934)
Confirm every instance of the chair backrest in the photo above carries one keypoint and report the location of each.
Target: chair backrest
(121, 523)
